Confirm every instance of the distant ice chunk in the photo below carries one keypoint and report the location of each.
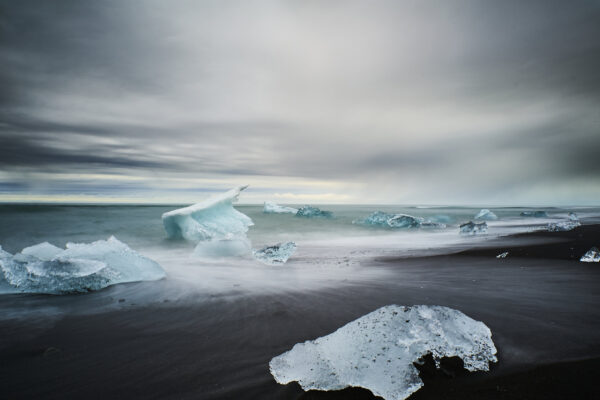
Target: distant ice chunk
(562, 226)
(486, 214)
(272, 208)
(309, 211)
(472, 228)
(377, 351)
(535, 214)
(592, 255)
(214, 218)
(502, 255)
(275, 255)
(79, 268)
(397, 221)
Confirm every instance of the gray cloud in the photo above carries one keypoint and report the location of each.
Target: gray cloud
(403, 97)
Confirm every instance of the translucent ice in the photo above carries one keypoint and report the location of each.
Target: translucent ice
(275, 255)
(382, 219)
(535, 214)
(78, 268)
(592, 255)
(562, 226)
(230, 246)
(377, 351)
(486, 214)
(309, 211)
(214, 218)
(471, 228)
(272, 208)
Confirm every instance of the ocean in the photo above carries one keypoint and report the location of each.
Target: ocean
(209, 329)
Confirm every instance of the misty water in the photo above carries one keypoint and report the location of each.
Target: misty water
(216, 323)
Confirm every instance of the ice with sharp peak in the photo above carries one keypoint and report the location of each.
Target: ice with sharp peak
(397, 221)
(472, 228)
(486, 214)
(214, 218)
(275, 255)
(592, 255)
(310, 211)
(272, 208)
(377, 351)
(81, 267)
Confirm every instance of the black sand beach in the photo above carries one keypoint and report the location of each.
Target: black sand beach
(540, 302)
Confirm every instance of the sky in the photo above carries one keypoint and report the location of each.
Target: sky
(381, 102)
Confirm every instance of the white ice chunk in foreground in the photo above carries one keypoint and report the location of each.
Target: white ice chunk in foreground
(214, 218)
(486, 214)
(502, 255)
(471, 228)
(275, 255)
(78, 268)
(592, 255)
(377, 351)
(272, 208)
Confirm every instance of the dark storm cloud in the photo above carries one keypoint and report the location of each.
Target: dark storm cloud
(422, 93)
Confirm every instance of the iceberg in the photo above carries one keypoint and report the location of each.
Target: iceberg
(486, 214)
(397, 221)
(81, 267)
(272, 208)
(534, 214)
(214, 218)
(471, 228)
(275, 255)
(377, 351)
(592, 255)
(309, 211)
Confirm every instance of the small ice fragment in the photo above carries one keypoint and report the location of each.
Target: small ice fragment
(486, 214)
(471, 228)
(309, 211)
(502, 255)
(377, 351)
(592, 255)
(275, 255)
(272, 208)
(534, 214)
(573, 217)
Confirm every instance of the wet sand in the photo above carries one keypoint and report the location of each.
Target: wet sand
(540, 303)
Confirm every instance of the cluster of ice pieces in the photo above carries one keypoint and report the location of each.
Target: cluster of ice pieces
(310, 211)
(377, 351)
(397, 221)
(486, 214)
(81, 267)
(592, 255)
(534, 214)
(219, 228)
(275, 255)
(272, 208)
(472, 228)
(562, 226)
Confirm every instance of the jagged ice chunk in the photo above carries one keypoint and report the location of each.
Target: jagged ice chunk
(486, 214)
(275, 255)
(377, 351)
(272, 208)
(471, 228)
(309, 211)
(592, 255)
